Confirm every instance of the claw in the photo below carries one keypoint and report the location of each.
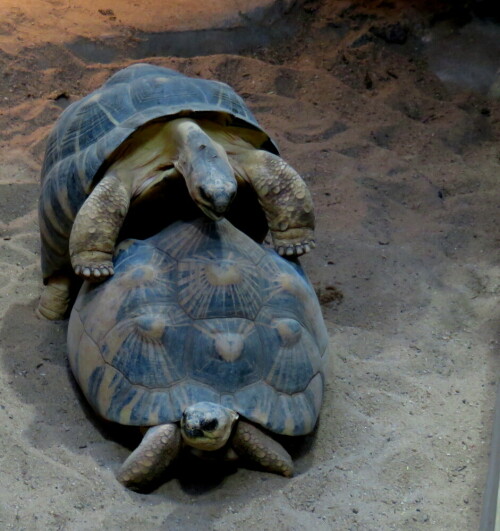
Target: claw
(95, 273)
(295, 249)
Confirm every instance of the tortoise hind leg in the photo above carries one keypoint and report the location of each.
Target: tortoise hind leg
(250, 442)
(151, 458)
(96, 227)
(284, 197)
(55, 298)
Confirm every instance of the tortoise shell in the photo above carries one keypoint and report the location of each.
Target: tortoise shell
(200, 312)
(88, 134)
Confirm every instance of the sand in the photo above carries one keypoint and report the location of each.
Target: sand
(398, 140)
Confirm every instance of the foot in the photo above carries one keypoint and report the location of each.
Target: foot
(293, 242)
(93, 266)
(54, 301)
(148, 462)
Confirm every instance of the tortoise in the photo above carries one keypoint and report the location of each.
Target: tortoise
(206, 339)
(151, 132)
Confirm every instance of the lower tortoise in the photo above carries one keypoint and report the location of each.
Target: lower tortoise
(153, 134)
(203, 338)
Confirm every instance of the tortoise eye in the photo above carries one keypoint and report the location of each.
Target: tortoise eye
(164, 167)
(209, 425)
(203, 194)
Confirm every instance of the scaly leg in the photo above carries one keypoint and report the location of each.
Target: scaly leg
(284, 197)
(250, 442)
(151, 458)
(55, 297)
(96, 227)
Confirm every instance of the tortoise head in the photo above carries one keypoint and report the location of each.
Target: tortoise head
(209, 176)
(207, 426)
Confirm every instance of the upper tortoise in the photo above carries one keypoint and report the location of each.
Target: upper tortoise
(206, 338)
(148, 133)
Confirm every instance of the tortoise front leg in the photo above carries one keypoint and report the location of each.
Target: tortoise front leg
(284, 197)
(148, 462)
(250, 442)
(96, 227)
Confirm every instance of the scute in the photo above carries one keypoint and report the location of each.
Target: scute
(291, 294)
(209, 287)
(184, 240)
(296, 360)
(226, 354)
(144, 351)
(138, 70)
(141, 353)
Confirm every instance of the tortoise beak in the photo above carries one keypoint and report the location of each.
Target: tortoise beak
(215, 204)
(210, 213)
(193, 433)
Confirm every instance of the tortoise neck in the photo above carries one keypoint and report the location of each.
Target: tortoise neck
(186, 133)
(205, 167)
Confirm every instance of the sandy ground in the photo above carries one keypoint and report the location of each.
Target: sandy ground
(389, 114)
